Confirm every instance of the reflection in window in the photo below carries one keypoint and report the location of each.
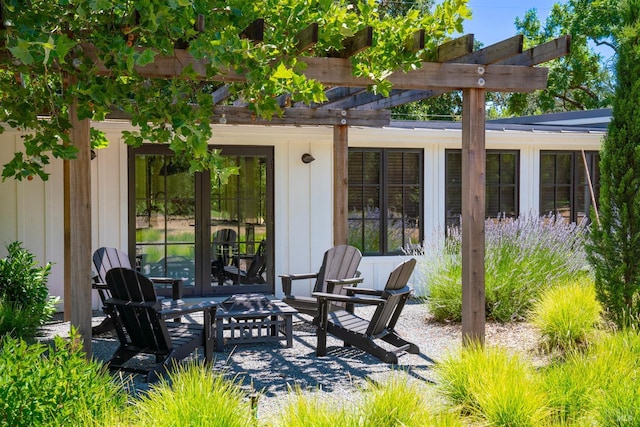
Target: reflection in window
(501, 186)
(165, 215)
(385, 200)
(564, 183)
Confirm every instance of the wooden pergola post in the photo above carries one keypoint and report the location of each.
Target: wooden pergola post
(473, 214)
(340, 184)
(77, 230)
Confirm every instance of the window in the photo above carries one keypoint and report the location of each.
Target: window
(502, 183)
(564, 183)
(385, 200)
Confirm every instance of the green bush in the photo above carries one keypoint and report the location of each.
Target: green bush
(24, 297)
(398, 400)
(490, 384)
(615, 362)
(567, 316)
(570, 387)
(523, 257)
(53, 386)
(304, 410)
(194, 395)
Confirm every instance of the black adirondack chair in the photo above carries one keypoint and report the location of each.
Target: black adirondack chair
(339, 268)
(140, 323)
(106, 258)
(364, 333)
(253, 274)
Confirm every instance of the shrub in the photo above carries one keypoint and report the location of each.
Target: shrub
(395, 401)
(489, 383)
(569, 388)
(615, 360)
(398, 401)
(305, 410)
(523, 257)
(567, 316)
(194, 395)
(597, 385)
(43, 386)
(24, 297)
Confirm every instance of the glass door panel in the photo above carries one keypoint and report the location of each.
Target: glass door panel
(239, 225)
(165, 220)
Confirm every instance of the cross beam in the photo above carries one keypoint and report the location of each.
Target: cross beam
(339, 72)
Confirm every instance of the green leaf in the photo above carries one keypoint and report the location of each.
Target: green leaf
(282, 72)
(21, 52)
(146, 57)
(48, 46)
(62, 47)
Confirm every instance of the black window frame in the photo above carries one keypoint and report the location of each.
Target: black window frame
(382, 186)
(576, 189)
(452, 217)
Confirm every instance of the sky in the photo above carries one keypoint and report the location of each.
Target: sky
(493, 20)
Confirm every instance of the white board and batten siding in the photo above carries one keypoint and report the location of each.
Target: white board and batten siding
(32, 211)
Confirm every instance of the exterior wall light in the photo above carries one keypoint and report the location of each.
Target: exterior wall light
(307, 158)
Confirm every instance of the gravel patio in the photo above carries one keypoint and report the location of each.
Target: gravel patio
(272, 370)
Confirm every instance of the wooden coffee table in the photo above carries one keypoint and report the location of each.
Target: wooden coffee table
(252, 318)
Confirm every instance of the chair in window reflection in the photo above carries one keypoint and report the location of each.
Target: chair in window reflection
(254, 272)
(223, 248)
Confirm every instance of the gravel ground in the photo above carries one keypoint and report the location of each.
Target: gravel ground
(272, 370)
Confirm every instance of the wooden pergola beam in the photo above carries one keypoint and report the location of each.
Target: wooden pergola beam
(355, 44)
(221, 94)
(496, 52)
(415, 43)
(548, 51)
(455, 48)
(254, 31)
(396, 98)
(339, 72)
(307, 38)
(455, 51)
(291, 117)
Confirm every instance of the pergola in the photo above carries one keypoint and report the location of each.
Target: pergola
(502, 67)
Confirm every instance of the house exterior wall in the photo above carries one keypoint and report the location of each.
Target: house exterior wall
(33, 212)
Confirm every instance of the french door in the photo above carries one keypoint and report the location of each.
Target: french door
(213, 234)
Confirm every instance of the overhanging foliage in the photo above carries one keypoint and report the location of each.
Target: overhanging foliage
(44, 66)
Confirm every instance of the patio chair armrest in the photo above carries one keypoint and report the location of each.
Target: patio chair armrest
(362, 291)
(176, 285)
(99, 285)
(345, 283)
(287, 280)
(347, 299)
(176, 308)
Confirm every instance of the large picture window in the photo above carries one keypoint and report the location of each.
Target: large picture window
(385, 200)
(564, 183)
(502, 184)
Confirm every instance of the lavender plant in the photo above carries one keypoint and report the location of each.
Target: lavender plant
(523, 257)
